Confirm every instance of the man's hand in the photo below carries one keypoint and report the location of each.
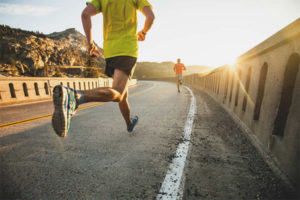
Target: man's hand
(141, 36)
(94, 52)
(86, 15)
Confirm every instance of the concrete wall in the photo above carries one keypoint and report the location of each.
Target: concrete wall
(262, 90)
(26, 89)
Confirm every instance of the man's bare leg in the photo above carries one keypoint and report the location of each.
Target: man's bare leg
(101, 94)
(124, 108)
(178, 85)
(106, 94)
(120, 84)
(117, 93)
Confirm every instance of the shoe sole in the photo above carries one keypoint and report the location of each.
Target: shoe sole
(59, 118)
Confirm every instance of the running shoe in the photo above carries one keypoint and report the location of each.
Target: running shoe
(134, 122)
(64, 107)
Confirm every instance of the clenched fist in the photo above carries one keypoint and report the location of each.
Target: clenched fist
(94, 52)
(141, 36)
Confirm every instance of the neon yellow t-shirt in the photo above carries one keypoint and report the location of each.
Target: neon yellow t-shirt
(119, 25)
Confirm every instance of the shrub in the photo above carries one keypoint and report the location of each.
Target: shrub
(92, 72)
(11, 61)
(57, 72)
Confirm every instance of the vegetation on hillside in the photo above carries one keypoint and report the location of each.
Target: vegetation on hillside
(28, 53)
(8, 31)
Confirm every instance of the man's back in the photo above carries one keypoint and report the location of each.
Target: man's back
(120, 25)
(178, 67)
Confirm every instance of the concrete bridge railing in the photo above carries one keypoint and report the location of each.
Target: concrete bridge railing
(262, 91)
(26, 89)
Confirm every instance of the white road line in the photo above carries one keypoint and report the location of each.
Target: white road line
(170, 188)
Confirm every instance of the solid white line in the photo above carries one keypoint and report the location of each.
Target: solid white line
(171, 188)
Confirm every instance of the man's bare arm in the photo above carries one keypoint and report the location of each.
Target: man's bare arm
(86, 15)
(147, 11)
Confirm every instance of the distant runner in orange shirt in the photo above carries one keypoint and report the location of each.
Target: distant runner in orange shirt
(178, 67)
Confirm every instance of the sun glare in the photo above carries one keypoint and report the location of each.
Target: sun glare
(231, 63)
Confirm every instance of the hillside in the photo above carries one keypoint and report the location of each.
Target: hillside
(27, 53)
(150, 70)
(30, 53)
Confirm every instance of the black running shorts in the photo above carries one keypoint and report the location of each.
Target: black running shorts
(124, 63)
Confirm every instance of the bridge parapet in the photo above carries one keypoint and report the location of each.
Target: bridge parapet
(262, 91)
(26, 89)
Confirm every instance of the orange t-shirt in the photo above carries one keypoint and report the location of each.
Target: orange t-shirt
(178, 67)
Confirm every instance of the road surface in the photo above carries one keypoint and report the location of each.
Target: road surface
(100, 160)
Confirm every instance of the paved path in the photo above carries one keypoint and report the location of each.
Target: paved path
(100, 160)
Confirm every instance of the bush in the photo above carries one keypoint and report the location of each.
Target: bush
(91, 72)
(45, 70)
(14, 71)
(57, 72)
(11, 61)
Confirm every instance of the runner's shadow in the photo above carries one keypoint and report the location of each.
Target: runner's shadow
(9, 188)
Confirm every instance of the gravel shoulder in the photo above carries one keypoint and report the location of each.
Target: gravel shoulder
(223, 164)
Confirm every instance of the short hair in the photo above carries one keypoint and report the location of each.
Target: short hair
(178, 59)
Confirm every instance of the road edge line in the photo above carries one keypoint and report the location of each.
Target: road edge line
(173, 185)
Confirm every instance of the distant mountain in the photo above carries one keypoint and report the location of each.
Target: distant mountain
(28, 53)
(154, 70)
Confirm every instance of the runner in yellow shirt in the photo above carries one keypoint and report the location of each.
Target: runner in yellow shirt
(120, 52)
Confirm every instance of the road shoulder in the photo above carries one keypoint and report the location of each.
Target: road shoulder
(222, 163)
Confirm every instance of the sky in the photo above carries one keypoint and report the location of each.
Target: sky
(200, 32)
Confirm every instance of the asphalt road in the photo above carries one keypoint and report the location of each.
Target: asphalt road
(100, 160)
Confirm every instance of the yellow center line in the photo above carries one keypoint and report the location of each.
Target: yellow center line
(143, 91)
(81, 108)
